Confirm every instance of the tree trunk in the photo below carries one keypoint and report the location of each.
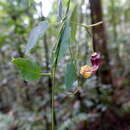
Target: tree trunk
(99, 40)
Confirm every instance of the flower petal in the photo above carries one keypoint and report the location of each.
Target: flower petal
(95, 59)
(85, 71)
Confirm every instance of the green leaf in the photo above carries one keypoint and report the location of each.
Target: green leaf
(28, 69)
(63, 43)
(73, 20)
(65, 40)
(59, 10)
(70, 76)
(67, 10)
(25, 2)
(35, 34)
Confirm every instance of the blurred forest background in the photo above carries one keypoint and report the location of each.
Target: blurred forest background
(103, 102)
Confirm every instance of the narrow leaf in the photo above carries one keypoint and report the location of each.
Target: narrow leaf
(63, 43)
(67, 10)
(24, 2)
(28, 69)
(59, 10)
(35, 34)
(65, 40)
(70, 76)
(73, 20)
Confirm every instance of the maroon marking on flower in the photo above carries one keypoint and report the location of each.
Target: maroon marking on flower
(95, 59)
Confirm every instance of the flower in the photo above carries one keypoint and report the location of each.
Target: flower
(95, 59)
(87, 71)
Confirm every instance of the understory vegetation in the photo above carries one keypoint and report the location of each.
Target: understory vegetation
(64, 65)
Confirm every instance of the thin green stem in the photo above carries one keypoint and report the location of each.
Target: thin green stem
(87, 26)
(52, 100)
(83, 25)
(56, 54)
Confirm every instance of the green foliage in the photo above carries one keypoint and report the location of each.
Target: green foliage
(17, 19)
(63, 43)
(28, 69)
(73, 20)
(35, 34)
(25, 2)
(70, 76)
(59, 10)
